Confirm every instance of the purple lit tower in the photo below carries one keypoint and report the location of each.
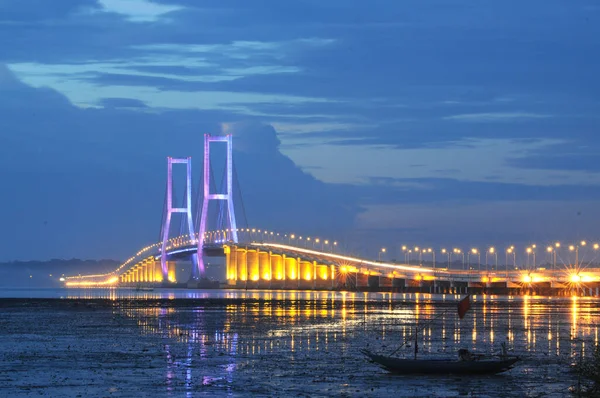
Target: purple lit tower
(228, 196)
(171, 209)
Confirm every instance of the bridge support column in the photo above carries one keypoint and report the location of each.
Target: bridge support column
(332, 276)
(298, 274)
(227, 196)
(170, 210)
(284, 266)
(231, 254)
(271, 269)
(242, 265)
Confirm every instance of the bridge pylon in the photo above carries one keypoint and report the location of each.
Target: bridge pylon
(227, 196)
(170, 210)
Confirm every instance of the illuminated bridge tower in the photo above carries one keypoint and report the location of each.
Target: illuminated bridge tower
(170, 210)
(228, 196)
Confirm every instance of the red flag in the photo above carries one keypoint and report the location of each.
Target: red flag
(463, 306)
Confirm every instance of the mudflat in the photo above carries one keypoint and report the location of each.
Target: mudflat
(283, 347)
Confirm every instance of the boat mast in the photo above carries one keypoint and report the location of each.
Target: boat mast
(416, 340)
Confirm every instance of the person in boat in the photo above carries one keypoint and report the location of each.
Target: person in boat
(465, 355)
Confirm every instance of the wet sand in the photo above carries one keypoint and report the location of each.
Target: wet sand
(289, 347)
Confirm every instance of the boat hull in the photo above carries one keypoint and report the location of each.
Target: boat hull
(442, 366)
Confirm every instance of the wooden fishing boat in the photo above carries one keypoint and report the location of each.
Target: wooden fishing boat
(465, 364)
(475, 366)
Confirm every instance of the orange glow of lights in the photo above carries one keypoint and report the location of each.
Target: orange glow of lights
(112, 281)
(485, 279)
(323, 272)
(527, 279)
(575, 278)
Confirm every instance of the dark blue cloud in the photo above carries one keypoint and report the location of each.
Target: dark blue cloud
(74, 169)
(122, 103)
(41, 10)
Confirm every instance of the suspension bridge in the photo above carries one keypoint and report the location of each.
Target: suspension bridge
(257, 258)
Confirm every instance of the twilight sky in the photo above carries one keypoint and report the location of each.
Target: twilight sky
(437, 123)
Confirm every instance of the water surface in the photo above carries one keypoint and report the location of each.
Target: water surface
(235, 343)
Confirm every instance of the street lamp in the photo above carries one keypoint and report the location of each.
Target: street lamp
(529, 251)
(475, 251)
(417, 250)
(575, 248)
(458, 251)
(430, 250)
(551, 250)
(381, 251)
(510, 250)
(491, 250)
(444, 251)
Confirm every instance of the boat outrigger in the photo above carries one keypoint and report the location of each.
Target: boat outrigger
(466, 363)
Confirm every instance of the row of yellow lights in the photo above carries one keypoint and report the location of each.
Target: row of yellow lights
(178, 241)
(492, 250)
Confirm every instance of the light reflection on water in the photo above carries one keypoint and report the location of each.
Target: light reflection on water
(313, 321)
(222, 338)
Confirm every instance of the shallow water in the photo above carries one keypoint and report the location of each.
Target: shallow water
(237, 343)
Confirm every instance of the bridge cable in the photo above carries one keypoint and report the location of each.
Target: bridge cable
(183, 216)
(196, 207)
(236, 183)
(221, 221)
(213, 188)
(164, 213)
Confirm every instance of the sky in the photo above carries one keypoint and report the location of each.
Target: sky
(448, 123)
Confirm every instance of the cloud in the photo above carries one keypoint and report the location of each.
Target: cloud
(83, 162)
(138, 10)
(122, 103)
(467, 160)
(496, 117)
(331, 104)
